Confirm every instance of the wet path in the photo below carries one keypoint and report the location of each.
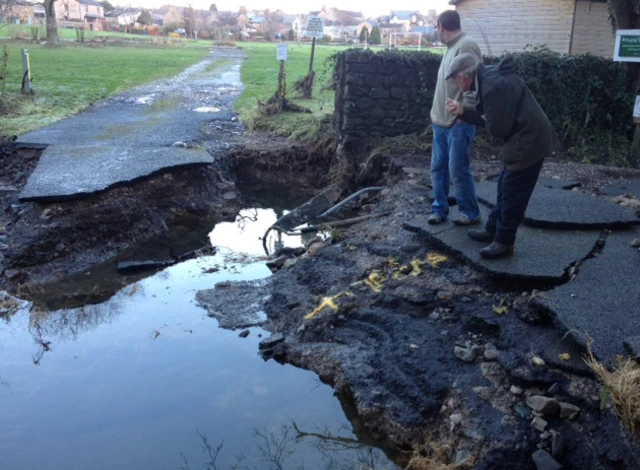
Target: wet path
(136, 134)
(146, 380)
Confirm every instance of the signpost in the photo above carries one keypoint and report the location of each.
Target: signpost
(627, 49)
(26, 73)
(314, 29)
(281, 55)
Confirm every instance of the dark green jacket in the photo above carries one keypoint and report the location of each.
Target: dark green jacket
(510, 112)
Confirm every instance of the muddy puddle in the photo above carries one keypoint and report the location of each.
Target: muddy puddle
(146, 380)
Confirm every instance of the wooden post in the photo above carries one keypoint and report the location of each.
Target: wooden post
(26, 73)
(282, 86)
(313, 51)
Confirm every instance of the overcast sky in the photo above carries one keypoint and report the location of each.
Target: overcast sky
(367, 7)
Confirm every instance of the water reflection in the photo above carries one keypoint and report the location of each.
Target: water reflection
(280, 449)
(126, 383)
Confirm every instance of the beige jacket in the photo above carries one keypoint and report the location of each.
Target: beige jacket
(448, 88)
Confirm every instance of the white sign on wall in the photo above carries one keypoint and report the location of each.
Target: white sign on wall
(282, 51)
(636, 108)
(314, 27)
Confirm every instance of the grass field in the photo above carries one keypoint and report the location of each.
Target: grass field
(69, 78)
(260, 75)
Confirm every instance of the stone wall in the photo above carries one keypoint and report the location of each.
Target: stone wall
(382, 95)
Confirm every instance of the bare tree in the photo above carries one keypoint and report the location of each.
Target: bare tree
(52, 21)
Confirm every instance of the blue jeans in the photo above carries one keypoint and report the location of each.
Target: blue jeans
(450, 162)
(514, 191)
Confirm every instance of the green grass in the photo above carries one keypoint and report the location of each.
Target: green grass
(67, 79)
(259, 74)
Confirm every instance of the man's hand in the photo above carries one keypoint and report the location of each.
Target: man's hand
(454, 107)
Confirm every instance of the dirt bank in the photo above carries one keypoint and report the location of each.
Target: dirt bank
(449, 364)
(428, 362)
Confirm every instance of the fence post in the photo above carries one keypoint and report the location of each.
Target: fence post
(26, 72)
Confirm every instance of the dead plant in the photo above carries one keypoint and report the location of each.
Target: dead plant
(439, 453)
(622, 385)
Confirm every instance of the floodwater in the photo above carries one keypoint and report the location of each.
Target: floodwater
(146, 380)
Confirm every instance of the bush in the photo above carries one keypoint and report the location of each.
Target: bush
(584, 96)
(586, 100)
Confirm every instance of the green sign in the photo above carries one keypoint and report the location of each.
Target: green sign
(629, 46)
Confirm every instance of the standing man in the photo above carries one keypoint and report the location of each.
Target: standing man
(452, 137)
(505, 105)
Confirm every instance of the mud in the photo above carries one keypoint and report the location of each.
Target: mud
(397, 352)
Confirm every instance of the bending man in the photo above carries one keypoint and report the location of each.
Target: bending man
(506, 107)
(452, 137)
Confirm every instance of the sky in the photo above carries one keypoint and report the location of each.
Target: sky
(368, 7)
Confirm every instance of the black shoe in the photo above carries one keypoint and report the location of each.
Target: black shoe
(496, 250)
(480, 235)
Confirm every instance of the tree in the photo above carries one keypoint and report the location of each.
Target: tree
(375, 36)
(107, 6)
(145, 18)
(192, 22)
(292, 35)
(364, 34)
(213, 7)
(52, 22)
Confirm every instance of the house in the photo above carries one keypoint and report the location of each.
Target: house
(403, 17)
(257, 23)
(122, 17)
(293, 22)
(340, 32)
(170, 15)
(565, 26)
(342, 17)
(88, 12)
(387, 29)
(18, 12)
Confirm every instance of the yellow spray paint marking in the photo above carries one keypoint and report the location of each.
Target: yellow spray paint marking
(416, 264)
(327, 302)
(435, 259)
(564, 356)
(500, 309)
(375, 281)
(393, 262)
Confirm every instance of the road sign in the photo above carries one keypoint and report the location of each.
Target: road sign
(282, 51)
(314, 27)
(627, 45)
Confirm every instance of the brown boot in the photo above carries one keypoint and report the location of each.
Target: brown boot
(496, 250)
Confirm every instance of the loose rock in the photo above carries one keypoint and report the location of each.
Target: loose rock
(271, 341)
(539, 424)
(568, 411)
(456, 418)
(544, 461)
(557, 444)
(491, 354)
(464, 354)
(544, 405)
